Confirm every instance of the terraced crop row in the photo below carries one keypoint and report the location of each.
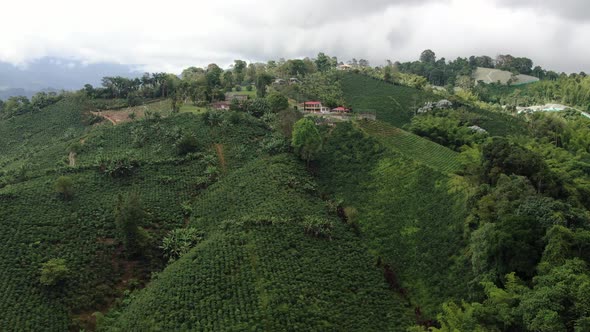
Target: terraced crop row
(413, 146)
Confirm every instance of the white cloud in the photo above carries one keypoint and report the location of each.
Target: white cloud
(171, 35)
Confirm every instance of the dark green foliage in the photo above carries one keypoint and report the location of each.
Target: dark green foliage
(53, 271)
(277, 102)
(37, 227)
(64, 186)
(405, 211)
(187, 144)
(180, 241)
(323, 86)
(262, 81)
(118, 168)
(130, 219)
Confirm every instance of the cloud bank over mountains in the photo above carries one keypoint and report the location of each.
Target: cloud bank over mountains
(171, 35)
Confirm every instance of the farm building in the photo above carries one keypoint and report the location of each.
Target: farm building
(221, 105)
(239, 97)
(341, 109)
(315, 107)
(478, 129)
(344, 67)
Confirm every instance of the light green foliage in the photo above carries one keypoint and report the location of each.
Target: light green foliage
(179, 241)
(413, 146)
(306, 140)
(53, 271)
(318, 227)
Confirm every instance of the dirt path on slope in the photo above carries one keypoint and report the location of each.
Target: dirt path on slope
(72, 158)
(106, 116)
(221, 157)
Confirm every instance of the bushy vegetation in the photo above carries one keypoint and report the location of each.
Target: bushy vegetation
(410, 214)
(268, 251)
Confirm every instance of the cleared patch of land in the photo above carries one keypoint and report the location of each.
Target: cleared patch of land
(490, 75)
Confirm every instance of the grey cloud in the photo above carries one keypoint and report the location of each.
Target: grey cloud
(315, 13)
(571, 9)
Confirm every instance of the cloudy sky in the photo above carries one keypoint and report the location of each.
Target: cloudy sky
(173, 34)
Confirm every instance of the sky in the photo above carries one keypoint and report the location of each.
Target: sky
(175, 34)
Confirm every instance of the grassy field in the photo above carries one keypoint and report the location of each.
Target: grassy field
(413, 146)
(190, 108)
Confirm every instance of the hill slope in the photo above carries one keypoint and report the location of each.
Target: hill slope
(393, 103)
(413, 146)
(38, 225)
(259, 270)
(410, 214)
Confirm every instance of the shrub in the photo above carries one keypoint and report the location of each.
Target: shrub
(75, 147)
(53, 271)
(129, 217)
(187, 144)
(118, 168)
(213, 117)
(64, 186)
(179, 241)
(277, 102)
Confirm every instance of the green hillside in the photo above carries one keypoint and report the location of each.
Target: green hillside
(413, 146)
(258, 269)
(408, 212)
(397, 104)
(32, 142)
(394, 104)
(38, 225)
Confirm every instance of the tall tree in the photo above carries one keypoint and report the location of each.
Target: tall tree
(239, 68)
(428, 56)
(129, 217)
(307, 140)
(323, 62)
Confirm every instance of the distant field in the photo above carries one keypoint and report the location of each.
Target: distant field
(393, 103)
(190, 108)
(489, 75)
(413, 146)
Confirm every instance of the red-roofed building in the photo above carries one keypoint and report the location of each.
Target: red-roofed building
(315, 107)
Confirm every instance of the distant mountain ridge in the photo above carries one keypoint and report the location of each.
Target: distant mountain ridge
(50, 73)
